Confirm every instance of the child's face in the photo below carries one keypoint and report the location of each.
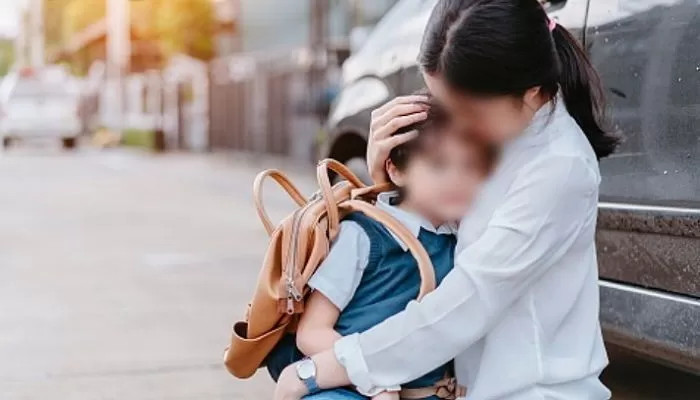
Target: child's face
(442, 180)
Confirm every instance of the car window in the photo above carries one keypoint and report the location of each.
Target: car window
(648, 55)
(406, 15)
(31, 88)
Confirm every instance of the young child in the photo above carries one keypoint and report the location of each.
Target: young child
(369, 274)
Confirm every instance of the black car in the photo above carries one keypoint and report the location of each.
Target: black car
(648, 53)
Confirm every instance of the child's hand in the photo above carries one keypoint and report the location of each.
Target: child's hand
(387, 396)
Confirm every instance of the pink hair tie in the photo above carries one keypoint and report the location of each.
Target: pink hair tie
(551, 24)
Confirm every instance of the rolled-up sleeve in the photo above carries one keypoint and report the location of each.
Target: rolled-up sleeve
(540, 218)
(340, 273)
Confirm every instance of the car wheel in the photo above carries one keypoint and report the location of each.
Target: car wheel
(69, 143)
(358, 165)
(6, 142)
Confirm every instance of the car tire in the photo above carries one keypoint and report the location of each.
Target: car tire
(358, 165)
(6, 142)
(69, 143)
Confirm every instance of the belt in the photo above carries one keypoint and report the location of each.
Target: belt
(446, 388)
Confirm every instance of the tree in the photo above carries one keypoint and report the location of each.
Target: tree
(176, 26)
(54, 24)
(186, 26)
(7, 52)
(79, 14)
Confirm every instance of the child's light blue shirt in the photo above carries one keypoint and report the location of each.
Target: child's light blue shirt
(341, 272)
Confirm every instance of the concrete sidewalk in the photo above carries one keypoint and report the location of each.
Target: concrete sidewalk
(122, 273)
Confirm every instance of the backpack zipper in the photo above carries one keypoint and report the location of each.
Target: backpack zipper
(293, 294)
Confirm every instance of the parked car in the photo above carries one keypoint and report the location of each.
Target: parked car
(648, 53)
(39, 104)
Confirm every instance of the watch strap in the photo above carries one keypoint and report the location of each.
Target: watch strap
(311, 385)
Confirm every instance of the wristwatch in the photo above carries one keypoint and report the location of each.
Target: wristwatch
(306, 372)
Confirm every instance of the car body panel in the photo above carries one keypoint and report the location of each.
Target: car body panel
(649, 224)
(650, 247)
(36, 108)
(659, 326)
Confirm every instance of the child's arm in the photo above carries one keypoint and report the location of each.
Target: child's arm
(315, 332)
(387, 396)
(334, 284)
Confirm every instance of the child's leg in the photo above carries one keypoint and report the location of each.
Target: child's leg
(336, 394)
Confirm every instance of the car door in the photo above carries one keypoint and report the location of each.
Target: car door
(392, 44)
(648, 55)
(411, 79)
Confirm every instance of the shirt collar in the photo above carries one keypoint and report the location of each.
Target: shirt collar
(412, 221)
(536, 131)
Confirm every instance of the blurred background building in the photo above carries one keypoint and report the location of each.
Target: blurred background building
(207, 74)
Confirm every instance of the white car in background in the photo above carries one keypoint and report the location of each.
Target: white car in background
(39, 105)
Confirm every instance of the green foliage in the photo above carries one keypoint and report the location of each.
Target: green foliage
(138, 138)
(179, 26)
(54, 22)
(7, 56)
(79, 14)
(187, 26)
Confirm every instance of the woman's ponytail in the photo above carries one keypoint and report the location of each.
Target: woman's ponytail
(506, 47)
(583, 92)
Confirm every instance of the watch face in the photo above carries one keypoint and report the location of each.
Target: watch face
(306, 369)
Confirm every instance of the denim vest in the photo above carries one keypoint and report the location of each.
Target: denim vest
(389, 282)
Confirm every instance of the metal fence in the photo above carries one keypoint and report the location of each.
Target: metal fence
(261, 103)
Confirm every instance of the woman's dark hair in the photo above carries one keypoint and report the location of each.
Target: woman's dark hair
(505, 47)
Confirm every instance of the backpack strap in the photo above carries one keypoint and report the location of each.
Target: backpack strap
(425, 266)
(285, 183)
(326, 189)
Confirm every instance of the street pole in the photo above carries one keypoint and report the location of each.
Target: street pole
(318, 41)
(118, 56)
(36, 18)
(21, 39)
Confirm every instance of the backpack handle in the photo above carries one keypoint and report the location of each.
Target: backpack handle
(326, 189)
(284, 183)
(425, 266)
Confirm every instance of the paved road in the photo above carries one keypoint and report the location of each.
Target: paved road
(120, 274)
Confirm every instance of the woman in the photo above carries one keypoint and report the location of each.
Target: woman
(519, 312)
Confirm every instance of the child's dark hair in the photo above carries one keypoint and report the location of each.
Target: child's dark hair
(505, 47)
(436, 121)
(435, 124)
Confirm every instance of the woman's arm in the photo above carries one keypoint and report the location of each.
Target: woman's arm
(315, 332)
(544, 212)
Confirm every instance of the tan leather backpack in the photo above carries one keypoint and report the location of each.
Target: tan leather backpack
(297, 247)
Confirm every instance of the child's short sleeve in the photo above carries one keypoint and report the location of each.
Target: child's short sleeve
(339, 274)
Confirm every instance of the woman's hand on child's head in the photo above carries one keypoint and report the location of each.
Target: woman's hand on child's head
(386, 120)
(289, 387)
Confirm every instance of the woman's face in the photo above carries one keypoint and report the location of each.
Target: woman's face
(495, 119)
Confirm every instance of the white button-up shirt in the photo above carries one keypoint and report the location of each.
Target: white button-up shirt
(519, 312)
